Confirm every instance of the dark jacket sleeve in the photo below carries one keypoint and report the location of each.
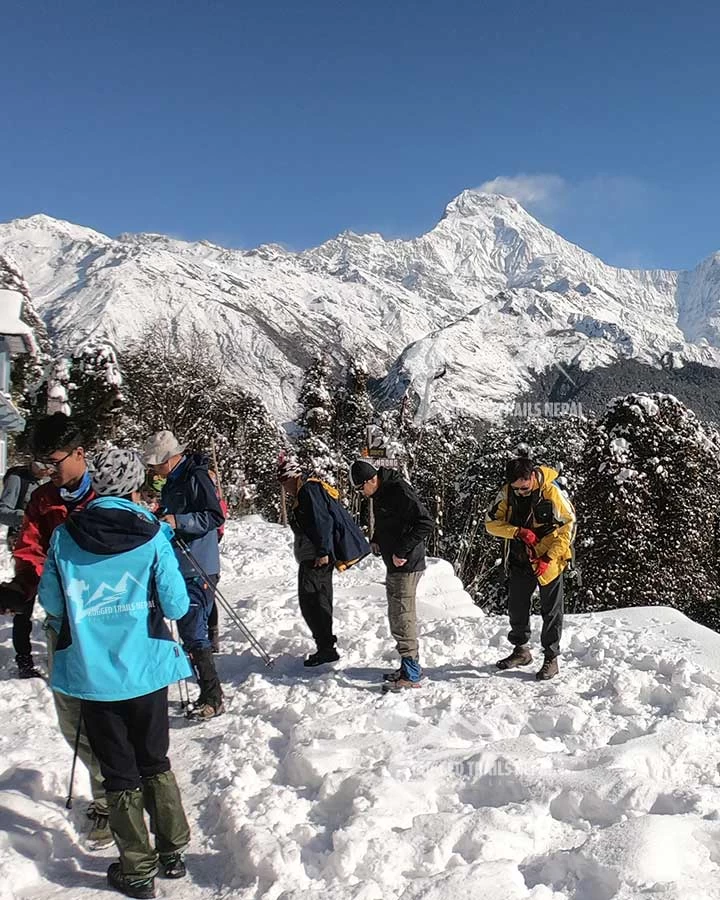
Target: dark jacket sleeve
(420, 523)
(316, 518)
(207, 515)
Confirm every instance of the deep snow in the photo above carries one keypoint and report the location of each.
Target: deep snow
(314, 786)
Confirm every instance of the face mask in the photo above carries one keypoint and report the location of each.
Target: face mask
(158, 482)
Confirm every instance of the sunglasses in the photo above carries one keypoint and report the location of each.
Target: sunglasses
(523, 492)
(50, 465)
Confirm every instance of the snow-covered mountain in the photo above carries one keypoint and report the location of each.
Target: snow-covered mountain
(461, 315)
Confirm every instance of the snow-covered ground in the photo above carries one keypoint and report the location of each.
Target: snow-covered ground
(480, 786)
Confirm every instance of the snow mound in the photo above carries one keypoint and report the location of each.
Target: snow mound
(599, 785)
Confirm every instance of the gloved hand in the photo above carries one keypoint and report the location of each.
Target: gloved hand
(12, 598)
(527, 536)
(541, 565)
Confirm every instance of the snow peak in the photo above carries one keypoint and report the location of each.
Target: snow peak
(546, 410)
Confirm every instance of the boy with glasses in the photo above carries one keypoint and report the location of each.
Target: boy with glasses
(537, 523)
(57, 448)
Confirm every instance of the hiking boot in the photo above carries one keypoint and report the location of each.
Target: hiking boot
(520, 656)
(320, 657)
(173, 866)
(548, 670)
(399, 684)
(99, 835)
(141, 888)
(26, 668)
(205, 710)
(392, 676)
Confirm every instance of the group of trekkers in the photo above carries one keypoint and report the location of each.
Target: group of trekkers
(110, 569)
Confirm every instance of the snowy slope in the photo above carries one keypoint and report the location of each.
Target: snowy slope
(408, 308)
(599, 785)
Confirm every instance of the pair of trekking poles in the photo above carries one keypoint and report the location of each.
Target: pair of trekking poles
(185, 702)
(234, 618)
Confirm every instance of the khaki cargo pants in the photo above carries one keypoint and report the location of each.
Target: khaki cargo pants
(401, 590)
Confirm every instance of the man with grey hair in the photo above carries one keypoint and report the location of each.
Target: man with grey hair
(190, 505)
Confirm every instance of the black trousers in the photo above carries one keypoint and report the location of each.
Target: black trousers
(21, 631)
(130, 738)
(315, 593)
(520, 589)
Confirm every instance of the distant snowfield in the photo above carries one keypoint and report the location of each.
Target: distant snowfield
(480, 786)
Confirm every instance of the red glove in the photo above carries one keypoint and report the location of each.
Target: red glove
(541, 565)
(527, 536)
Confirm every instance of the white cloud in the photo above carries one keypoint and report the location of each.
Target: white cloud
(546, 194)
(539, 192)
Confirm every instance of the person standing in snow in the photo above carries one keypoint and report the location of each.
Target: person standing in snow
(110, 580)
(324, 534)
(537, 523)
(58, 449)
(190, 505)
(18, 484)
(402, 525)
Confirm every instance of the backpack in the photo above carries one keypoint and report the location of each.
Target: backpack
(27, 482)
(349, 543)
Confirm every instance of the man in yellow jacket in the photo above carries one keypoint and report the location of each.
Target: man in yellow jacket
(537, 523)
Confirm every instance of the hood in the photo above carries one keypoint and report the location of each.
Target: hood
(389, 476)
(188, 465)
(548, 474)
(111, 525)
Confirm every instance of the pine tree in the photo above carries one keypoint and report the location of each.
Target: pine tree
(316, 446)
(649, 511)
(94, 391)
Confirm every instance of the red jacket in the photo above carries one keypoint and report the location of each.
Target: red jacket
(45, 511)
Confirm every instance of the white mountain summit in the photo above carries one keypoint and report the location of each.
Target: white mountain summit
(483, 299)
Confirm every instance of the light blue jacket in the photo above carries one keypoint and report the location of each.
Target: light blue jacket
(110, 580)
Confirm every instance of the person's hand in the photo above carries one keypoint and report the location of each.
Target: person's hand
(541, 565)
(171, 520)
(398, 562)
(321, 561)
(527, 536)
(375, 549)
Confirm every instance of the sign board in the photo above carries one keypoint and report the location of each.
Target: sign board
(375, 442)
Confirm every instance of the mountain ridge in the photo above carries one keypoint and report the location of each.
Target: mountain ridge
(489, 295)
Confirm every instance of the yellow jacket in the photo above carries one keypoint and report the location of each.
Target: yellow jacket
(552, 520)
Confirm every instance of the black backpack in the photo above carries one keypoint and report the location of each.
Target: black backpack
(27, 482)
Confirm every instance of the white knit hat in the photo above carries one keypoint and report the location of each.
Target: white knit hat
(160, 447)
(117, 473)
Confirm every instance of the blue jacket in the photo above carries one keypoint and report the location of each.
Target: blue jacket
(110, 579)
(190, 496)
(323, 527)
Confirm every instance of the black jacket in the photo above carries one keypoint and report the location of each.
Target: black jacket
(401, 523)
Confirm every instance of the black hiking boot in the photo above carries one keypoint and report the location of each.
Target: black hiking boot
(520, 656)
(142, 889)
(320, 657)
(548, 670)
(173, 866)
(26, 667)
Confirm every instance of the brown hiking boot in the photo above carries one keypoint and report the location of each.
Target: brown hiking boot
(549, 669)
(520, 656)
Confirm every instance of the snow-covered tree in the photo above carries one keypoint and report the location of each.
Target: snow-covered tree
(316, 447)
(649, 509)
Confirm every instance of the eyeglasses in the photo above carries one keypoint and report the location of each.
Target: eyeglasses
(523, 492)
(50, 465)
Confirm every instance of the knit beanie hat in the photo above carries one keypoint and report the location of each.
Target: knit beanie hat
(362, 471)
(117, 473)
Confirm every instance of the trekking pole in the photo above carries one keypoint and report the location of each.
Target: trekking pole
(184, 702)
(252, 640)
(69, 802)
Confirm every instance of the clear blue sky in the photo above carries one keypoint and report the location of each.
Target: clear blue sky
(244, 122)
